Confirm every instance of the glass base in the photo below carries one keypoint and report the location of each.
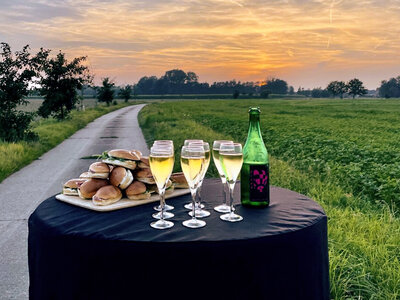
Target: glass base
(231, 217)
(190, 205)
(167, 207)
(162, 224)
(167, 215)
(200, 213)
(223, 208)
(194, 223)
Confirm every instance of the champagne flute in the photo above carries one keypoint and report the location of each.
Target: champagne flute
(222, 208)
(186, 143)
(167, 207)
(200, 212)
(231, 158)
(161, 160)
(192, 160)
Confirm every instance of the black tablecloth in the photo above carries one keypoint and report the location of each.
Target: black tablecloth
(279, 252)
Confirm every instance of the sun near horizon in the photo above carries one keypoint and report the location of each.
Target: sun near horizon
(307, 43)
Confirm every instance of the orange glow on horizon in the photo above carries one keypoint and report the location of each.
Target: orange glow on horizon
(307, 43)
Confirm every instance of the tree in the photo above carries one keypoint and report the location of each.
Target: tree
(17, 72)
(355, 87)
(105, 93)
(337, 88)
(276, 86)
(291, 90)
(191, 77)
(176, 79)
(60, 81)
(390, 88)
(125, 92)
(236, 94)
(176, 76)
(146, 85)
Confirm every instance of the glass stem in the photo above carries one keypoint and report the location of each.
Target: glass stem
(162, 203)
(193, 192)
(199, 194)
(224, 183)
(231, 188)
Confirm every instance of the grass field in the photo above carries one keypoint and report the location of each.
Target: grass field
(342, 153)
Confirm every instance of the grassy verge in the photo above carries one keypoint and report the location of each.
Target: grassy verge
(304, 138)
(14, 156)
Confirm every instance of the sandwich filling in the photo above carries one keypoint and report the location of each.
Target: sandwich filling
(70, 191)
(127, 180)
(119, 161)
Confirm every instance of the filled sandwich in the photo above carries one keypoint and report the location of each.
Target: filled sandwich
(121, 177)
(90, 187)
(98, 170)
(107, 195)
(145, 176)
(123, 158)
(72, 185)
(137, 191)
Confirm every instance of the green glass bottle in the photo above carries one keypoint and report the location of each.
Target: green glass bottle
(254, 176)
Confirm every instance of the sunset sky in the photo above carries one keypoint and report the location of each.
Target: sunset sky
(307, 43)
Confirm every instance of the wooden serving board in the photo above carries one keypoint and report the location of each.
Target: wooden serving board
(123, 203)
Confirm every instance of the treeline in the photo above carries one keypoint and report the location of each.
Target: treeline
(179, 82)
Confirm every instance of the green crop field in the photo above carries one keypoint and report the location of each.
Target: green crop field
(342, 153)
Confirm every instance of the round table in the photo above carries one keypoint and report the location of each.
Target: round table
(279, 252)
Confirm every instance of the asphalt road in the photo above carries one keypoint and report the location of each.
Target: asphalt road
(23, 191)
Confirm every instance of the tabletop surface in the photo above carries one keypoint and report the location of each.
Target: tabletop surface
(288, 212)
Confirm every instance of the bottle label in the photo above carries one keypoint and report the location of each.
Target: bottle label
(259, 183)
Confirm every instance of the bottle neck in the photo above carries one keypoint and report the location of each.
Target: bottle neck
(254, 124)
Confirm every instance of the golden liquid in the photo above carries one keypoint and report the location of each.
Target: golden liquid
(161, 167)
(218, 163)
(192, 168)
(231, 164)
(206, 163)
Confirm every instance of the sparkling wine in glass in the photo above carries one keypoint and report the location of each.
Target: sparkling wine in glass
(192, 160)
(200, 212)
(186, 143)
(164, 143)
(161, 160)
(231, 159)
(222, 208)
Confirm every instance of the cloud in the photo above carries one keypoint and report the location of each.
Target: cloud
(218, 39)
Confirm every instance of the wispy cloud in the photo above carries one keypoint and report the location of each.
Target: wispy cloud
(218, 39)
